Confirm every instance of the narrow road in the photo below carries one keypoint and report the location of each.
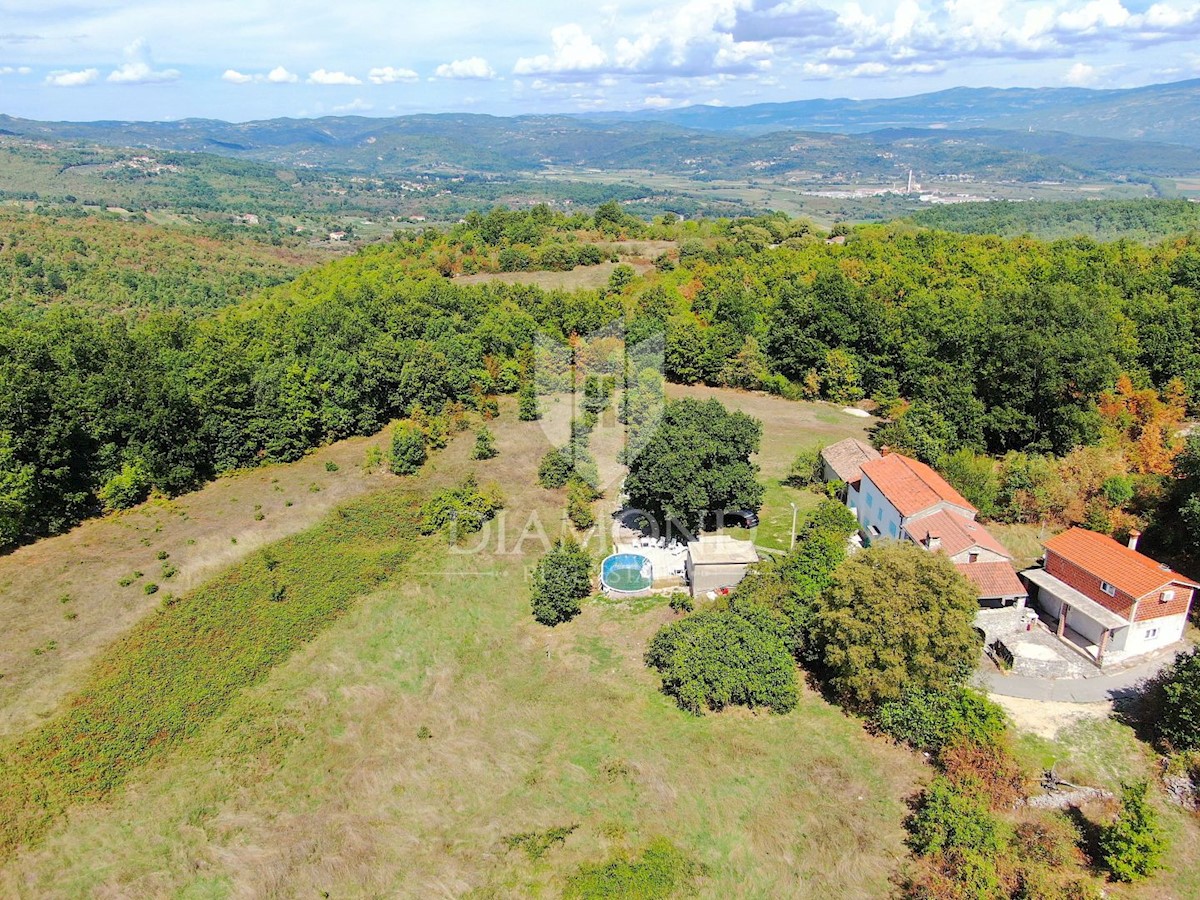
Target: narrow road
(1097, 689)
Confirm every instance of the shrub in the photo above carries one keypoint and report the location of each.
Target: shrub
(658, 872)
(807, 469)
(930, 719)
(460, 510)
(485, 444)
(987, 770)
(1177, 712)
(563, 464)
(527, 403)
(732, 656)
(562, 578)
(151, 588)
(681, 602)
(127, 488)
(1051, 841)
(331, 466)
(408, 448)
(579, 505)
(946, 818)
(536, 843)
(1133, 845)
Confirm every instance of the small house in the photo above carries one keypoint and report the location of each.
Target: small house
(1108, 599)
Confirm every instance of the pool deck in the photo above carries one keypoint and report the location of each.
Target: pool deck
(663, 562)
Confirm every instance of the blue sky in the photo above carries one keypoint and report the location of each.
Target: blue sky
(249, 59)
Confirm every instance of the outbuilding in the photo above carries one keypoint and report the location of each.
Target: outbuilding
(718, 561)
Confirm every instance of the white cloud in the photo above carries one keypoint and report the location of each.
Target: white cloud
(574, 51)
(280, 75)
(320, 76)
(139, 67)
(476, 67)
(62, 78)
(15, 70)
(356, 105)
(141, 73)
(391, 75)
(1081, 74)
(656, 102)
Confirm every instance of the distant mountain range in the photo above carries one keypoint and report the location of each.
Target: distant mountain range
(1045, 134)
(1161, 112)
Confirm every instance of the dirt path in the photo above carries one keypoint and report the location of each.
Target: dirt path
(61, 599)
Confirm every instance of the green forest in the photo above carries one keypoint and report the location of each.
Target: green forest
(972, 344)
(1143, 220)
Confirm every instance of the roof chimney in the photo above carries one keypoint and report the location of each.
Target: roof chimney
(1134, 534)
(933, 542)
(885, 450)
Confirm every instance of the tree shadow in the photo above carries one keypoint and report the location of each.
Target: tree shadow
(1089, 838)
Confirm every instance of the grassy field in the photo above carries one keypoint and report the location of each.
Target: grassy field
(396, 751)
(578, 278)
(316, 778)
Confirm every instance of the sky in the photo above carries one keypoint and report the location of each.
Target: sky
(240, 60)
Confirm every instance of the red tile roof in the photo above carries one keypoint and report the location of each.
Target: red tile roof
(1127, 570)
(911, 486)
(846, 457)
(958, 533)
(993, 579)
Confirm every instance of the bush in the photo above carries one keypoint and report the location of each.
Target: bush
(930, 720)
(460, 510)
(1133, 845)
(485, 444)
(579, 505)
(1051, 841)
(715, 659)
(1177, 706)
(988, 771)
(807, 469)
(536, 843)
(565, 464)
(946, 818)
(527, 403)
(659, 872)
(681, 602)
(127, 488)
(562, 578)
(408, 448)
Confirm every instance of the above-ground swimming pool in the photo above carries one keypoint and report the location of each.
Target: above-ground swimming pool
(626, 573)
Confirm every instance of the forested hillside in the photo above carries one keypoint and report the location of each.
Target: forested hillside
(109, 264)
(1102, 220)
(974, 343)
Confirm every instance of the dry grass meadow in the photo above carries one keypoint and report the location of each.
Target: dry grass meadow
(63, 596)
(320, 781)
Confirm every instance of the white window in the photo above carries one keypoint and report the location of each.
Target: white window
(1108, 589)
(1166, 597)
(1151, 633)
